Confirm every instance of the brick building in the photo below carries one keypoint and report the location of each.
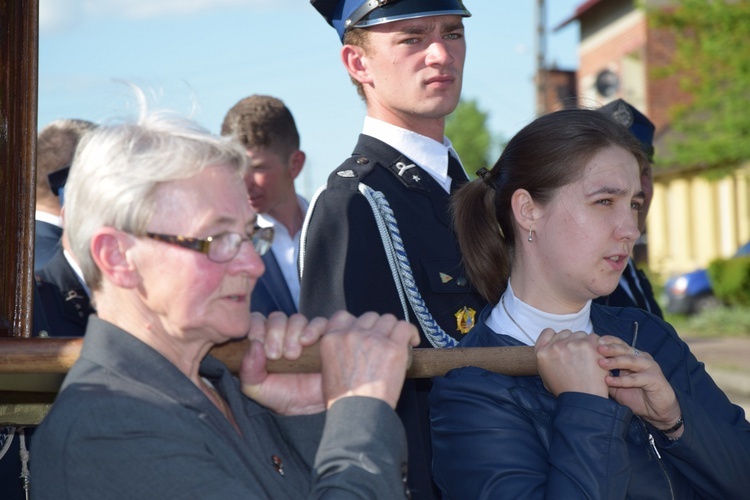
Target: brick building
(693, 219)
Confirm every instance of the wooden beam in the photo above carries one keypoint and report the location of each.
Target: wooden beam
(57, 355)
(31, 370)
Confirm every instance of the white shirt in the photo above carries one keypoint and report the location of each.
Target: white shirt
(285, 248)
(532, 320)
(49, 218)
(430, 155)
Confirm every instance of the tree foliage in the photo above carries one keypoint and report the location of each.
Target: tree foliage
(467, 129)
(712, 60)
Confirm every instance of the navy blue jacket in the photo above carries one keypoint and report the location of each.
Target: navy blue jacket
(346, 267)
(65, 304)
(497, 436)
(46, 242)
(271, 292)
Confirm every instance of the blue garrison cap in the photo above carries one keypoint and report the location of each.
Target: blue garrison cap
(635, 121)
(346, 14)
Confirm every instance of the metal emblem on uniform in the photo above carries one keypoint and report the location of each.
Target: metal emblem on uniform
(72, 295)
(346, 173)
(403, 167)
(416, 178)
(465, 319)
(445, 278)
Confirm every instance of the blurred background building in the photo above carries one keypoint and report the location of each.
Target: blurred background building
(699, 212)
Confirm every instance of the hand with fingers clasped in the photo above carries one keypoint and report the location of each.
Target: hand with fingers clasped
(568, 362)
(640, 384)
(366, 356)
(276, 337)
(360, 356)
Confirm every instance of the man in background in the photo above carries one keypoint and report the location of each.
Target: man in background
(61, 290)
(55, 147)
(634, 289)
(266, 127)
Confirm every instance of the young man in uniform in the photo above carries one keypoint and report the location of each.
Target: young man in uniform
(379, 235)
(634, 289)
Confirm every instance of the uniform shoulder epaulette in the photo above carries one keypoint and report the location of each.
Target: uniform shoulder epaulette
(350, 173)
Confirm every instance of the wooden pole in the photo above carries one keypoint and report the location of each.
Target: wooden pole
(18, 112)
(57, 355)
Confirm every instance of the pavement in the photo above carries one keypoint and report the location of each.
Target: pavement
(727, 360)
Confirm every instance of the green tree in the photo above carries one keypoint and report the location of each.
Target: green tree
(467, 129)
(712, 61)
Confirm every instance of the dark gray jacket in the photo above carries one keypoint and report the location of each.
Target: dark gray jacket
(129, 425)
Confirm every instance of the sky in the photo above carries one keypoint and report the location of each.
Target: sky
(199, 57)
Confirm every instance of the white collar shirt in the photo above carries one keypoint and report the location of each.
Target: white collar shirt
(430, 155)
(285, 248)
(49, 218)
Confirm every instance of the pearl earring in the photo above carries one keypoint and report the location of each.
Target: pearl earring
(530, 235)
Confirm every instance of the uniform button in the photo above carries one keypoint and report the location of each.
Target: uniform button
(461, 281)
(363, 160)
(404, 475)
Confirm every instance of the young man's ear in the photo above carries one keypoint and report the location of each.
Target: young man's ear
(296, 162)
(354, 61)
(109, 249)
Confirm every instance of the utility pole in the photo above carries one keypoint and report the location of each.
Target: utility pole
(541, 50)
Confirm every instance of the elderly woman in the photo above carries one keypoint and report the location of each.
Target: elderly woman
(621, 408)
(158, 217)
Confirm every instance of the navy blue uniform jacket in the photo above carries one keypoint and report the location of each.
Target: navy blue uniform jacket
(344, 264)
(345, 267)
(64, 302)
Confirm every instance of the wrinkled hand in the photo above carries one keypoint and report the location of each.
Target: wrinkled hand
(274, 338)
(569, 362)
(366, 356)
(641, 385)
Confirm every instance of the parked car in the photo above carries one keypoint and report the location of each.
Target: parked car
(691, 293)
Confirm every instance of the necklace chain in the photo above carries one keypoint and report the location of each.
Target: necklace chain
(502, 301)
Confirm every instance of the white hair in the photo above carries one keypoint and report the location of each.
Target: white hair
(117, 169)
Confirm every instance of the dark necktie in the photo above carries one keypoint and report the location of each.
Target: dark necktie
(635, 290)
(456, 173)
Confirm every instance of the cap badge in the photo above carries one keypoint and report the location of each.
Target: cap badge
(623, 115)
(465, 319)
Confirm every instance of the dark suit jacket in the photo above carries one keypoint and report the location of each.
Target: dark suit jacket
(271, 292)
(64, 301)
(128, 424)
(345, 266)
(46, 242)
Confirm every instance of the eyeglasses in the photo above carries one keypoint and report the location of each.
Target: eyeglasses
(222, 247)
